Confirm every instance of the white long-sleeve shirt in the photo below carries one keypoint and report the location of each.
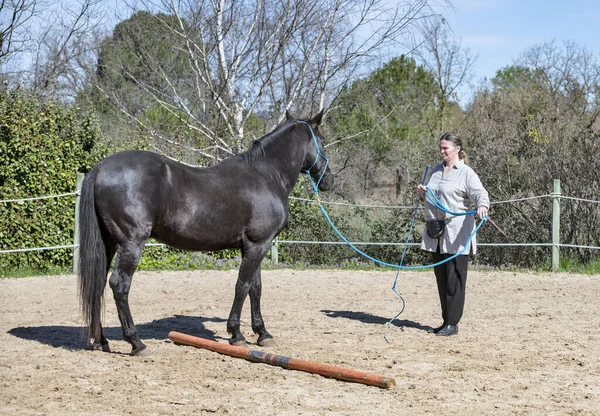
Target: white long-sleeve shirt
(457, 191)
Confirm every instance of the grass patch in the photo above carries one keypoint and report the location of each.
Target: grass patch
(28, 272)
(573, 266)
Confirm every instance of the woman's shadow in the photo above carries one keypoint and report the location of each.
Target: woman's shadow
(75, 337)
(373, 319)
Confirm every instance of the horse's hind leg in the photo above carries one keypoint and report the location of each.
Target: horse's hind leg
(102, 343)
(128, 258)
(258, 325)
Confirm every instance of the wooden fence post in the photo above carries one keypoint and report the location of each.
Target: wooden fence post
(274, 252)
(555, 225)
(79, 182)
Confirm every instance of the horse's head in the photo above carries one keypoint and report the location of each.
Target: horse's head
(315, 161)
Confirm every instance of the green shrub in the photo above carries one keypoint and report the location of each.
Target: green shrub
(42, 147)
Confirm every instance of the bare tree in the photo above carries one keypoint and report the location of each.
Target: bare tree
(66, 48)
(452, 66)
(567, 70)
(15, 21)
(536, 123)
(47, 44)
(250, 57)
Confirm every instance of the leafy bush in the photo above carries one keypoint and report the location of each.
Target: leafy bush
(169, 258)
(42, 147)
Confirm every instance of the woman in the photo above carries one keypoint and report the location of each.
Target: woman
(457, 187)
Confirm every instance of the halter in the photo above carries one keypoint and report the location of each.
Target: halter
(316, 185)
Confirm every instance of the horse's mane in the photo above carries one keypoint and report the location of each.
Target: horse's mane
(256, 150)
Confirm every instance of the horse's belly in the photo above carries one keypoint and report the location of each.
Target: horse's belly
(217, 226)
(199, 236)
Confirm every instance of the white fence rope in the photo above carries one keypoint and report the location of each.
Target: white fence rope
(21, 200)
(346, 204)
(38, 248)
(413, 207)
(418, 244)
(36, 198)
(580, 199)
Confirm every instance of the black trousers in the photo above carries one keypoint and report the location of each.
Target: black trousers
(451, 280)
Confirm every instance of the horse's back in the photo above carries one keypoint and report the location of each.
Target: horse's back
(129, 190)
(142, 194)
(131, 175)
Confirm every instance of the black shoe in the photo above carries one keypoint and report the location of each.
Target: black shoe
(448, 331)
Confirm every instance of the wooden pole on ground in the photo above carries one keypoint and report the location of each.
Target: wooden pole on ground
(285, 362)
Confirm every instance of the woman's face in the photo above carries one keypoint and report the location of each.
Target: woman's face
(449, 151)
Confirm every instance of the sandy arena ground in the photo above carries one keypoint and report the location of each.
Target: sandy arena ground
(529, 344)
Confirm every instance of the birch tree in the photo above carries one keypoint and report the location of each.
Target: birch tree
(248, 61)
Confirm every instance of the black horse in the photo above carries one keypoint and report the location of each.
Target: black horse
(241, 203)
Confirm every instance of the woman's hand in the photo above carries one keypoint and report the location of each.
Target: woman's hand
(421, 190)
(482, 211)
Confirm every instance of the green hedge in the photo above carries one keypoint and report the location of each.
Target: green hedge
(42, 147)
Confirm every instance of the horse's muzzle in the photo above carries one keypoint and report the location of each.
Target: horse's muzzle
(326, 182)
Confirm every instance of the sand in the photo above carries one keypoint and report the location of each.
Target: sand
(529, 344)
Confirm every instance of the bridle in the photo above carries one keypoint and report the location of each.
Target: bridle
(319, 154)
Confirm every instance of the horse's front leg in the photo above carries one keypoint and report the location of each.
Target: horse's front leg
(258, 326)
(249, 268)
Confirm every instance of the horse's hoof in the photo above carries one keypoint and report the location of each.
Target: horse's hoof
(240, 343)
(267, 342)
(140, 352)
(101, 347)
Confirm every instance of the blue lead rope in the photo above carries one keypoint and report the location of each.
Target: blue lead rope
(383, 263)
(431, 197)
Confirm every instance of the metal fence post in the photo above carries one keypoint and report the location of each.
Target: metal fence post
(79, 182)
(555, 224)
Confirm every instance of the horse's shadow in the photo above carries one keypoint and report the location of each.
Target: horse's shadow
(75, 337)
(373, 319)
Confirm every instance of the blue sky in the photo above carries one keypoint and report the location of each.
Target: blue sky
(499, 30)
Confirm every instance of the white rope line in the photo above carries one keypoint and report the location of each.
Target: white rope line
(362, 243)
(413, 207)
(546, 196)
(418, 244)
(523, 199)
(352, 205)
(579, 199)
(338, 242)
(39, 197)
(577, 246)
(342, 203)
(18, 250)
(38, 248)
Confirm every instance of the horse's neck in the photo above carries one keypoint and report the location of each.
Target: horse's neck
(287, 161)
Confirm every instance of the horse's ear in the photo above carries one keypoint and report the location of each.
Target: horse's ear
(316, 121)
(288, 116)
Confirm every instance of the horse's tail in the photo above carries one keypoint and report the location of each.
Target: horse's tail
(92, 259)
